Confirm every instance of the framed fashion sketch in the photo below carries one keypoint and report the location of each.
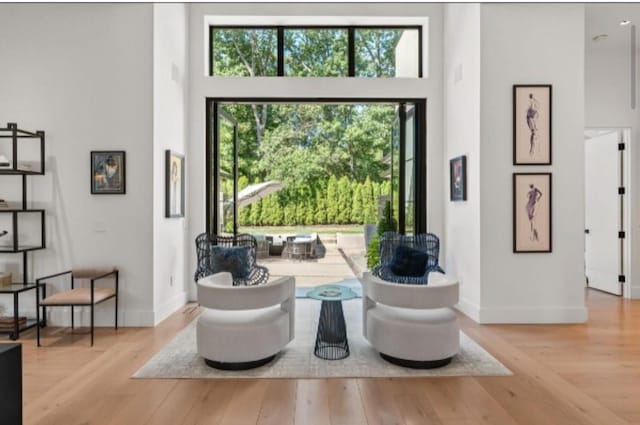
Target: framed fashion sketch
(108, 173)
(458, 178)
(174, 184)
(532, 124)
(532, 212)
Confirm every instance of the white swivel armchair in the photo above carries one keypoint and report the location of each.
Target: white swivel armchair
(242, 327)
(412, 325)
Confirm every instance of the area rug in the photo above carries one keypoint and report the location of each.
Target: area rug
(179, 359)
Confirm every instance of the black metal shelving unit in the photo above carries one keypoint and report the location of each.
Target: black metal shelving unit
(17, 137)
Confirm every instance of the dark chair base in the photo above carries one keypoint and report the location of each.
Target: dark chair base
(417, 364)
(238, 366)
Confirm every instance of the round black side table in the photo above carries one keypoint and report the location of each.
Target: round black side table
(331, 339)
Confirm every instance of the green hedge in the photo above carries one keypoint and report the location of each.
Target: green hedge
(338, 201)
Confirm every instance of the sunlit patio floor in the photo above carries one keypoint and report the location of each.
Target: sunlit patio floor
(333, 267)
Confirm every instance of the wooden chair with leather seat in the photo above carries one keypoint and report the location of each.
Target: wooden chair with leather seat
(79, 297)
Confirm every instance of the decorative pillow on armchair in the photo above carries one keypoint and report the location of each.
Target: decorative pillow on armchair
(408, 261)
(235, 260)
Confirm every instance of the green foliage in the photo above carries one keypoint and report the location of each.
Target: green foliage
(332, 200)
(331, 158)
(387, 222)
(356, 202)
(373, 252)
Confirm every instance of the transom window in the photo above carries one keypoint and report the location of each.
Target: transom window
(327, 51)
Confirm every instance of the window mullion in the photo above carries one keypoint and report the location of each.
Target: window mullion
(351, 51)
(280, 51)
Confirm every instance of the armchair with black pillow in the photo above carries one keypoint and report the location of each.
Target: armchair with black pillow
(233, 254)
(408, 259)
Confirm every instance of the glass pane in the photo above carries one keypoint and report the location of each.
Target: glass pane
(225, 176)
(315, 53)
(243, 52)
(388, 52)
(395, 167)
(409, 170)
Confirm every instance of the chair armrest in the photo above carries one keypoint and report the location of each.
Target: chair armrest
(113, 272)
(52, 276)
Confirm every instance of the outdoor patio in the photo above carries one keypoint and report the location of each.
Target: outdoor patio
(337, 264)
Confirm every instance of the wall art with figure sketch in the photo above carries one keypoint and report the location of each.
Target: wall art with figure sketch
(532, 124)
(174, 184)
(532, 212)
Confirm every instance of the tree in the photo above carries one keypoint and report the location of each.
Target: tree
(333, 207)
(309, 145)
(357, 203)
(344, 201)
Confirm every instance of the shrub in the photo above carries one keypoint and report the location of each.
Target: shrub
(373, 252)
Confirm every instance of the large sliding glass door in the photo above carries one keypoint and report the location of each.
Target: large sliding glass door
(408, 188)
(406, 162)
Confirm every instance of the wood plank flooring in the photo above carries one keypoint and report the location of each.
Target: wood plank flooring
(564, 374)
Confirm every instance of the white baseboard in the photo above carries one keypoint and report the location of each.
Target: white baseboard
(469, 309)
(170, 306)
(634, 292)
(528, 315)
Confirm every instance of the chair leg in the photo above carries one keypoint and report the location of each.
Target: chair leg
(92, 307)
(72, 324)
(116, 315)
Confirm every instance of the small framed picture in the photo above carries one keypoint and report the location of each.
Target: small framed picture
(532, 124)
(108, 172)
(532, 212)
(458, 178)
(174, 184)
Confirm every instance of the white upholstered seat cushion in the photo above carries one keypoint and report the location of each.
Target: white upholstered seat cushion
(242, 335)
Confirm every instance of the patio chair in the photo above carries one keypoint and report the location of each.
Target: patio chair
(234, 254)
(408, 259)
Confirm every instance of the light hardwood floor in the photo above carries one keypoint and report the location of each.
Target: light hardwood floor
(569, 374)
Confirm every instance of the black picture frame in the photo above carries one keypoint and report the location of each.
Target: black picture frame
(174, 203)
(544, 156)
(458, 179)
(104, 182)
(523, 213)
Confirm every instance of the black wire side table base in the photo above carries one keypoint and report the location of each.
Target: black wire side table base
(331, 340)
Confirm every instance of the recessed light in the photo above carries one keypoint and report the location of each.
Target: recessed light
(624, 22)
(599, 37)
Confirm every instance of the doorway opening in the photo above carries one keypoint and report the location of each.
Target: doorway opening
(312, 178)
(607, 204)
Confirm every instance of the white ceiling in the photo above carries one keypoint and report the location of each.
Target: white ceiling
(604, 18)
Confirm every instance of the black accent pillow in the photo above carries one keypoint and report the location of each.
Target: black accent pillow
(235, 259)
(408, 261)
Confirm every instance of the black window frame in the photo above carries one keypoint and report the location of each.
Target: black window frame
(421, 196)
(351, 44)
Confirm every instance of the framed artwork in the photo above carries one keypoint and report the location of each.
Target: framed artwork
(532, 212)
(108, 173)
(532, 124)
(458, 178)
(174, 184)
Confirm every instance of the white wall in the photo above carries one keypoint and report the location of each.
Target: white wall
(607, 104)
(82, 73)
(202, 86)
(462, 137)
(170, 101)
(532, 44)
